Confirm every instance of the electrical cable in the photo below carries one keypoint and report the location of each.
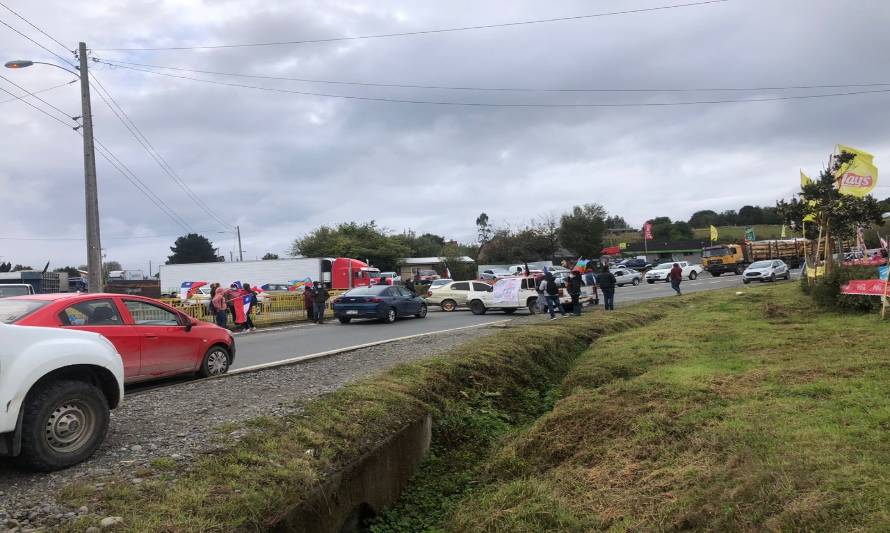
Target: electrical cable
(124, 64)
(510, 105)
(140, 137)
(35, 27)
(419, 32)
(64, 60)
(39, 91)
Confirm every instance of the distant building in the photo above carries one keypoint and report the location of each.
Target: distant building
(659, 252)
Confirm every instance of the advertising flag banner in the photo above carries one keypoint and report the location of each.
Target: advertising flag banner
(714, 233)
(647, 231)
(859, 176)
(783, 231)
(864, 287)
(749, 234)
(189, 288)
(506, 290)
(804, 180)
(622, 245)
(298, 285)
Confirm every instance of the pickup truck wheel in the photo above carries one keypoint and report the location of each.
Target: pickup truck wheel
(693, 275)
(636, 282)
(715, 273)
(215, 363)
(63, 423)
(422, 312)
(448, 305)
(477, 307)
(532, 306)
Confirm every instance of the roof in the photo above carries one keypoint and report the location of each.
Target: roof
(432, 260)
(65, 295)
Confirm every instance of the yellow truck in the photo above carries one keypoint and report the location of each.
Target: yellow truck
(735, 257)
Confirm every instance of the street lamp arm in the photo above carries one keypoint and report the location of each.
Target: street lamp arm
(28, 63)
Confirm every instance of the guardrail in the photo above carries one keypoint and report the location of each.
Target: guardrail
(273, 309)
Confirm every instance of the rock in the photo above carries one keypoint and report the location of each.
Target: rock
(136, 480)
(93, 529)
(110, 521)
(136, 448)
(83, 510)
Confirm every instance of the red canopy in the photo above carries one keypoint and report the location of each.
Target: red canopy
(612, 250)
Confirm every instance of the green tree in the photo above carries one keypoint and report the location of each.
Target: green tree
(485, 231)
(112, 265)
(19, 268)
(581, 230)
(359, 241)
(270, 256)
(192, 248)
(750, 215)
(616, 222)
(71, 271)
(703, 219)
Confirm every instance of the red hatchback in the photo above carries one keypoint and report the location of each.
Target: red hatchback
(153, 339)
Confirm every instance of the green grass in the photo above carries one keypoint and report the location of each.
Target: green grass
(738, 412)
(483, 388)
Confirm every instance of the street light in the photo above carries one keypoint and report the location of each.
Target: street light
(94, 245)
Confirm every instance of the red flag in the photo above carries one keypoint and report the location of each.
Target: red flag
(647, 231)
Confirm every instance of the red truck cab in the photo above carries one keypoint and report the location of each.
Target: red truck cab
(345, 268)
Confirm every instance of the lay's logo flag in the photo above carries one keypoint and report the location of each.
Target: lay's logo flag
(859, 176)
(189, 288)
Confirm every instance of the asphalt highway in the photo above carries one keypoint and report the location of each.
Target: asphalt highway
(305, 341)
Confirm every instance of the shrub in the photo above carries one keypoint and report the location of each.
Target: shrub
(826, 292)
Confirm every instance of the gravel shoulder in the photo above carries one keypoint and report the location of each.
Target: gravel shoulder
(182, 421)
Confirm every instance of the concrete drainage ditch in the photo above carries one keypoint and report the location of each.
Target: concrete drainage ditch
(353, 496)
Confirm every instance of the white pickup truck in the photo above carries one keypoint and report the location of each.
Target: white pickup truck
(510, 294)
(662, 272)
(56, 389)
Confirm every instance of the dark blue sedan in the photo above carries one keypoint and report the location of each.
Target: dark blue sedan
(382, 302)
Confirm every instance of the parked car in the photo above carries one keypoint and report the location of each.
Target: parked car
(662, 272)
(382, 302)
(456, 294)
(626, 276)
(15, 289)
(426, 275)
(766, 271)
(388, 278)
(495, 273)
(153, 339)
(56, 390)
(636, 264)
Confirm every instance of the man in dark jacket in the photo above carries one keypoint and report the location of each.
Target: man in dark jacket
(573, 286)
(409, 284)
(321, 301)
(551, 290)
(676, 276)
(606, 282)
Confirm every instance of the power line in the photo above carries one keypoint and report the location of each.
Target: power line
(510, 105)
(140, 137)
(420, 32)
(104, 237)
(106, 153)
(38, 92)
(35, 27)
(66, 61)
(124, 64)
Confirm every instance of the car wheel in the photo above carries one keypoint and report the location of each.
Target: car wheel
(344, 319)
(390, 315)
(449, 305)
(636, 281)
(650, 281)
(478, 308)
(787, 276)
(772, 277)
(739, 272)
(63, 422)
(215, 363)
(746, 281)
(422, 312)
(693, 275)
(715, 274)
(509, 310)
(532, 305)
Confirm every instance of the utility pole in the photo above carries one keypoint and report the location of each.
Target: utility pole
(94, 245)
(240, 251)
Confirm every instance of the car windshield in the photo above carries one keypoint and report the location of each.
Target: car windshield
(440, 282)
(715, 252)
(374, 290)
(761, 264)
(12, 309)
(13, 290)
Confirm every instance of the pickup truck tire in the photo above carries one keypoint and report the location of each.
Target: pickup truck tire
(449, 305)
(532, 305)
(477, 307)
(216, 362)
(693, 275)
(63, 423)
(715, 273)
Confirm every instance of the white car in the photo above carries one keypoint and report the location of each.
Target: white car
(662, 272)
(626, 276)
(56, 389)
(456, 294)
(495, 273)
(526, 296)
(766, 271)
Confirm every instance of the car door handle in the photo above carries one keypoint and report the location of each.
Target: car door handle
(151, 337)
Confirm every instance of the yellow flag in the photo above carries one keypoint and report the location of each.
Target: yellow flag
(810, 218)
(622, 245)
(713, 233)
(804, 179)
(861, 155)
(859, 178)
(783, 231)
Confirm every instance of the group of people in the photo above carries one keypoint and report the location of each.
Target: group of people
(223, 301)
(549, 289)
(315, 300)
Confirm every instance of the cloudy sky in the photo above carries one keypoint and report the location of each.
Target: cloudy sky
(279, 163)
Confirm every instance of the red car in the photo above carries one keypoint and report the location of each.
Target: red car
(153, 339)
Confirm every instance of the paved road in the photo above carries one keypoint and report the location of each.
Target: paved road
(293, 342)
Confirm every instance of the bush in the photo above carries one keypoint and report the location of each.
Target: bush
(826, 292)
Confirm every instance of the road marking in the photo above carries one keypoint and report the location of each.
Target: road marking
(318, 355)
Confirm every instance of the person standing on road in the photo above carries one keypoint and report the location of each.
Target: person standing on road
(573, 285)
(210, 310)
(676, 276)
(309, 301)
(606, 281)
(248, 319)
(552, 292)
(321, 300)
(220, 309)
(410, 285)
(231, 295)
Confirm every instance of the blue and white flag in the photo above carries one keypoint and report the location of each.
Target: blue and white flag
(189, 288)
(882, 272)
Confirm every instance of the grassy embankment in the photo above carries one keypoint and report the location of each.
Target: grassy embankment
(475, 394)
(738, 412)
